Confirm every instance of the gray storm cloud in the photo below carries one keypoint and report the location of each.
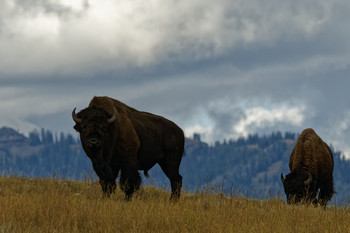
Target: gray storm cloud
(77, 37)
(223, 68)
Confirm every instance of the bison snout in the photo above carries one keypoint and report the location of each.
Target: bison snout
(93, 142)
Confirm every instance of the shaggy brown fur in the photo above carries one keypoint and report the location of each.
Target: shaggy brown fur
(311, 165)
(133, 141)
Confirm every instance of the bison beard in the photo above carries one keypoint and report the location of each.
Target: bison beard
(311, 164)
(117, 138)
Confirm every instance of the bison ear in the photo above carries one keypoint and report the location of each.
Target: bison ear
(77, 127)
(282, 178)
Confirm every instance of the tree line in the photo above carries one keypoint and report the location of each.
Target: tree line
(248, 166)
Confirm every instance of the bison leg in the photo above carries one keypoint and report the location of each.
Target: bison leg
(326, 191)
(107, 177)
(130, 180)
(176, 185)
(311, 197)
(108, 184)
(171, 170)
(311, 193)
(108, 187)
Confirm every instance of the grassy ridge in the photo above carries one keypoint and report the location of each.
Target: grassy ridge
(50, 205)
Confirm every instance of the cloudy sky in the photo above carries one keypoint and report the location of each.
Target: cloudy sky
(222, 68)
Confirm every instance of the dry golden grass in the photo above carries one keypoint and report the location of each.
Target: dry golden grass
(50, 205)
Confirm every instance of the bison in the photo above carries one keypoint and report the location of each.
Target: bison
(311, 165)
(117, 138)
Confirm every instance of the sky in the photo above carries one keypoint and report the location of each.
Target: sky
(224, 69)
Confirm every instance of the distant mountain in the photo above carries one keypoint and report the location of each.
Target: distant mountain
(247, 166)
(9, 136)
(41, 154)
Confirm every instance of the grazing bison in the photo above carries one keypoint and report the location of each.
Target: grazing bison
(117, 138)
(311, 165)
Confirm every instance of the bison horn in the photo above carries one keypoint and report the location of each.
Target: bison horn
(282, 178)
(75, 117)
(114, 117)
(309, 179)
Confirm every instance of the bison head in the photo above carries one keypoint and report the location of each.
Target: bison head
(95, 127)
(297, 186)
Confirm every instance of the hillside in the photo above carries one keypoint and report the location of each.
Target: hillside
(247, 166)
(51, 205)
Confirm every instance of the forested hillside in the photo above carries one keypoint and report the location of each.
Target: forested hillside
(249, 166)
(252, 166)
(42, 154)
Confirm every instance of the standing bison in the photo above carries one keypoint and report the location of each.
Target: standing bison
(117, 138)
(311, 165)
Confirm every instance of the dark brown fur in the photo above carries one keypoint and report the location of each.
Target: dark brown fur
(311, 158)
(134, 141)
